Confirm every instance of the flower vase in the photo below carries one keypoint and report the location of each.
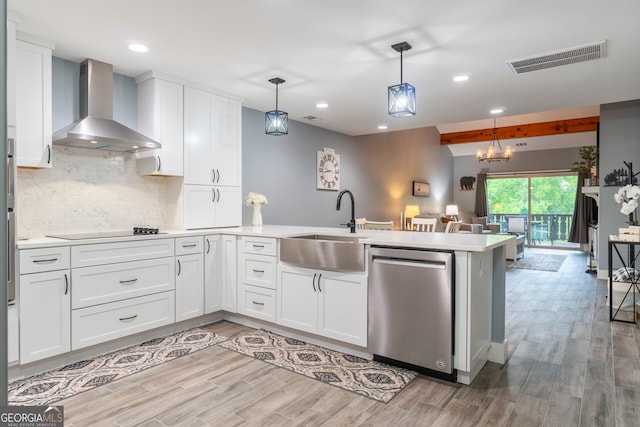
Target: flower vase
(257, 215)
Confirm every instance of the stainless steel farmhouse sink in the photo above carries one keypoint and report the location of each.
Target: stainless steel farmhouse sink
(326, 251)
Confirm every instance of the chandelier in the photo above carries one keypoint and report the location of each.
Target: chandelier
(494, 150)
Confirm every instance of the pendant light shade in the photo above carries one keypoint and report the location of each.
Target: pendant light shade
(401, 97)
(276, 122)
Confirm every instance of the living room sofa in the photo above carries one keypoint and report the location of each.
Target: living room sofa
(478, 225)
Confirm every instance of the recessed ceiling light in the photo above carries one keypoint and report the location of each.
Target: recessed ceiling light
(382, 127)
(138, 47)
(497, 111)
(322, 105)
(461, 78)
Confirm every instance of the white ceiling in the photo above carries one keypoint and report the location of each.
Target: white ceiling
(338, 51)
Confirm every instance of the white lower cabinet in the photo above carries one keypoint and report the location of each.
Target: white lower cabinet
(212, 273)
(220, 273)
(228, 270)
(256, 301)
(104, 322)
(327, 303)
(189, 286)
(13, 334)
(107, 283)
(45, 315)
(189, 278)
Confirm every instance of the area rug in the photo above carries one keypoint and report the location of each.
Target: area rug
(368, 378)
(55, 385)
(544, 262)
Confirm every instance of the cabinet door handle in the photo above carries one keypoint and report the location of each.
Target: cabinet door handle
(38, 261)
(258, 246)
(213, 195)
(218, 190)
(127, 282)
(314, 281)
(122, 319)
(191, 245)
(48, 153)
(179, 267)
(213, 176)
(258, 271)
(217, 175)
(257, 303)
(319, 277)
(66, 284)
(208, 245)
(159, 163)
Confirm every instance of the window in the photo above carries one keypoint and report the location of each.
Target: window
(545, 202)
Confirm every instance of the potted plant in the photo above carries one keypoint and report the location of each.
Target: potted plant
(589, 156)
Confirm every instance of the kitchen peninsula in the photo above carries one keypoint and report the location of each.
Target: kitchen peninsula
(201, 276)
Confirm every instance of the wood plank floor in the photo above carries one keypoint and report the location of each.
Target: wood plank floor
(568, 366)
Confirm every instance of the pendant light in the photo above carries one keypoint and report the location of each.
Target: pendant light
(276, 121)
(494, 150)
(402, 97)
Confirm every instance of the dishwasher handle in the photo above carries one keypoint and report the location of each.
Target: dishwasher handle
(405, 262)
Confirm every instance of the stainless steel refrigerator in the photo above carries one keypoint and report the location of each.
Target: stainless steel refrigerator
(10, 183)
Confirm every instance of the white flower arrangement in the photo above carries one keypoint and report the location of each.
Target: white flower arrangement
(255, 199)
(628, 196)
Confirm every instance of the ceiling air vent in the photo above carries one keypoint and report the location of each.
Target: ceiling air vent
(559, 58)
(311, 117)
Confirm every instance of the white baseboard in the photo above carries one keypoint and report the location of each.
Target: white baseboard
(499, 352)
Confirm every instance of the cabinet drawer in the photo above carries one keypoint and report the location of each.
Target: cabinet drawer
(189, 245)
(258, 245)
(100, 323)
(257, 270)
(44, 259)
(257, 302)
(111, 253)
(108, 283)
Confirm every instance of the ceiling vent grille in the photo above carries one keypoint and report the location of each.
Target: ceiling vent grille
(559, 58)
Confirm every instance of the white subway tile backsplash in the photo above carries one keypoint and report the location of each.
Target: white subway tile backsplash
(89, 191)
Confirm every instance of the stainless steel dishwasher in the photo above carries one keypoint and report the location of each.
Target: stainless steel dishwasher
(411, 309)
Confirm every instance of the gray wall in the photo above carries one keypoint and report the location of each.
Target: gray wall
(619, 142)
(378, 169)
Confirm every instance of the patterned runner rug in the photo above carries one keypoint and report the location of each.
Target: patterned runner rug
(544, 262)
(53, 386)
(365, 377)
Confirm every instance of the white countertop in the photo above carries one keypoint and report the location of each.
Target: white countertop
(445, 241)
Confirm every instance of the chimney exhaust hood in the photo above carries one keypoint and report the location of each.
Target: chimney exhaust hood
(96, 128)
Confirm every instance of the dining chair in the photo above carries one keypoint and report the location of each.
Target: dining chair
(360, 223)
(424, 224)
(378, 225)
(453, 227)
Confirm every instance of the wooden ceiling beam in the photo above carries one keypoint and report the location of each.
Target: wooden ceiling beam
(558, 127)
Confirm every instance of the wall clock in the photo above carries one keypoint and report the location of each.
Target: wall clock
(328, 170)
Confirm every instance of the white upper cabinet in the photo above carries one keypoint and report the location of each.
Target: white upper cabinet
(33, 102)
(227, 137)
(213, 139)
(160, 117)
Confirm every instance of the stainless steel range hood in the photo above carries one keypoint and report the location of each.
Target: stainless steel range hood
(96, 128)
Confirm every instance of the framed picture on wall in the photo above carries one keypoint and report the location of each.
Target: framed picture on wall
(421, 189)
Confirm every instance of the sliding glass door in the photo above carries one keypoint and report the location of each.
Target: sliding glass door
(539, 206)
